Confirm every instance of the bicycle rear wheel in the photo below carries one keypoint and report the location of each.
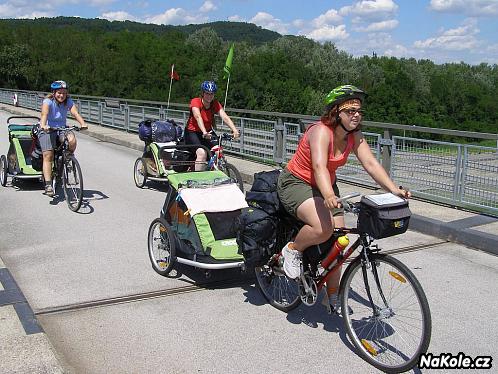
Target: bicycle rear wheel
(72, 182)
(280, 291)
(140, 172)
(3, 170)
(233, 173)
(392, 337)
(161, 246)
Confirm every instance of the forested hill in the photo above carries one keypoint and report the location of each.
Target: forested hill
(269, 72)
(228, 31)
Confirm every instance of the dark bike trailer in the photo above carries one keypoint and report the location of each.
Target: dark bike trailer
(196, 224)
(383, 220)
(258, 224)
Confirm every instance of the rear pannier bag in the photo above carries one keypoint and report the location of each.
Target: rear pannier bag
(381, 220)
(263, 194)
(157, 131)
(256, 235)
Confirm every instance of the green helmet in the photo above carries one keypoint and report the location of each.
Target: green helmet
(343, 93)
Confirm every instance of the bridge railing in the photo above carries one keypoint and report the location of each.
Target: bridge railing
(458, 174)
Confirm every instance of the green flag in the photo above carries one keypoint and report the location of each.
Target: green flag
(228, 65)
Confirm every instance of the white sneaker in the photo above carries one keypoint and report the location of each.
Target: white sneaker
(292, 262)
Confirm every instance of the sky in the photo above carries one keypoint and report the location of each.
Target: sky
(439, 30)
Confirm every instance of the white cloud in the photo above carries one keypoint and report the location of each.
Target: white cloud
(458, 39)
(325, 27)
(379, 26)
(236, 18)
(492, 48)
(31, 9)
(370, 9)
(118, 16)
(331, 17)
(34, 15)
(267, 21)
(175, 16)
(397, 50)
(208, 6)
(328, 33)
(467, 7)
(7, 10)
(299, 23)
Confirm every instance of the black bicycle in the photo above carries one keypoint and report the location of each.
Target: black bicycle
(67, 171)
(388, 317)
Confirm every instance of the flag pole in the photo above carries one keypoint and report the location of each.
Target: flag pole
(169, 93)
(226, 94)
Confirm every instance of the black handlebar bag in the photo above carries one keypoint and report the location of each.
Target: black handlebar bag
(381, 219)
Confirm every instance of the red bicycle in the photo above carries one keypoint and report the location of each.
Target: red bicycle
(218, 160)
(388, 318)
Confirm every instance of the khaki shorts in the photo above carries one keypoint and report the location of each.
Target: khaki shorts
(50, 140)
(293, 191)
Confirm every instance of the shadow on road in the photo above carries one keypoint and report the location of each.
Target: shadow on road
(215, 279)
(88, 195)
(27, 184)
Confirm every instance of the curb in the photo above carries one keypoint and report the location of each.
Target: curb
(447, 231)
(113, 140)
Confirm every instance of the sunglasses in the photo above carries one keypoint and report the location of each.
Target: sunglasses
(351, 112)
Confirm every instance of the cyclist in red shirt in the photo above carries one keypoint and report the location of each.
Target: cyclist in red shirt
(201, 121)
(307, 186)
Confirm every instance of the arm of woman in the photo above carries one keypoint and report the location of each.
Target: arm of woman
(319, 141)
(77, 117)
(197, 115)
(44, 116)
(226, 119)
(374, 168)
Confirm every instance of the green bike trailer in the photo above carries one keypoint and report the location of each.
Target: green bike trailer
(18, 164)
(196, 226)
(161, 159)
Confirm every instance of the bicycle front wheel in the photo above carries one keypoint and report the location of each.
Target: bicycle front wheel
(233, 173)
(392, 333)
(72, 182)
(280, 291)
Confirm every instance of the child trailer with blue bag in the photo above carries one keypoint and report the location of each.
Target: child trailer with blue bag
(164, 152)
(196, 224)
(24, 157)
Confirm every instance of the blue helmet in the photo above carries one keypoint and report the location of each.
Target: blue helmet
(58, 85)
(209, 86)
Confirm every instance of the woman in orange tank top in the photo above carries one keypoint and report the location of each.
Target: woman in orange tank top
(307, 186)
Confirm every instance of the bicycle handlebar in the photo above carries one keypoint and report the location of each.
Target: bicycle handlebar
(347, 197)
(227, 136)
(65, 129)
(223, 136)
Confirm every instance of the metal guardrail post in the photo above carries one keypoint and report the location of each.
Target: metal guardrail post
(460, 173)
(278, 149)
(126, 110)
(242, 128)
(386, 143)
